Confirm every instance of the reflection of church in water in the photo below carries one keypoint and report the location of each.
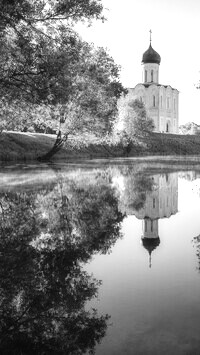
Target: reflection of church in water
(161, 202)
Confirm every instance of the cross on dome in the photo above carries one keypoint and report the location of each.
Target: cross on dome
(150, 35)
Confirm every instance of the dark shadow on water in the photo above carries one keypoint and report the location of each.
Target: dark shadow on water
(47, 234)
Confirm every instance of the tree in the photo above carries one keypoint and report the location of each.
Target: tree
(47, 234)
(20, 116)
(137, 186)
(196, 241)
(44, 62)
(31, 34)
(137, 123)
(92, 104)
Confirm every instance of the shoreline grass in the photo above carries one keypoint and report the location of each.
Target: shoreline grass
(21, 147)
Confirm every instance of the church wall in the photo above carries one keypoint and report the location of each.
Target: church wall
(152, 104)
(168, 195)
(162, 105)
(170, 109)
(162, 108)
(139, 92)
(150, 98)
(176, 110)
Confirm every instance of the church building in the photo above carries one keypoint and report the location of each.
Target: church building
(150, 206)
(161, 101)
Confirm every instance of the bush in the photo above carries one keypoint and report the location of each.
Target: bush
(137, 123)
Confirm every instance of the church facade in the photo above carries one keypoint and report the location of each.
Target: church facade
(161, 101)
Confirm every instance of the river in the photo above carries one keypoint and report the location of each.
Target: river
(100, 257)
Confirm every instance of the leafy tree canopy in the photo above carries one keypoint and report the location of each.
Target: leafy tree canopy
(34, 11)
(43, 61)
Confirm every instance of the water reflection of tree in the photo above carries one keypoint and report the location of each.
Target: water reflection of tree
(137, 186)
(45, 238)
(196, 241)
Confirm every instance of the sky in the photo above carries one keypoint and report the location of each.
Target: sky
(175, 26)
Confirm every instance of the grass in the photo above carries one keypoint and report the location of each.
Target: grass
(23, 146)
(16, 146)
(169, 144)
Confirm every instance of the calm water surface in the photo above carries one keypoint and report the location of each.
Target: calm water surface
(100, 258)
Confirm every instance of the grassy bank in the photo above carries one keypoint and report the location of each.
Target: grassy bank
(16, 146)
(173, 144)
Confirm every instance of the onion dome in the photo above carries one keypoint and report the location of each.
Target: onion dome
(151, 56)
(150, 244)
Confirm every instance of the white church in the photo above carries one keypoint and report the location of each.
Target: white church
(161, 101)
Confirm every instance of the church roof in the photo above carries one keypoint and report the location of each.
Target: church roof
(151, 56)
(150, 244)
(146, 85)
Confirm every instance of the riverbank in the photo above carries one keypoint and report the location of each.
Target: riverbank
(17, 146)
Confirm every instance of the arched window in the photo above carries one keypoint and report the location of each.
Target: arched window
(145, 225)
(151, 75)
(151, 226)
(154, 101)
(145, 76)
(167, 102)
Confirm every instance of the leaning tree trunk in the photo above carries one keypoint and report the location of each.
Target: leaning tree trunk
(55, 149)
